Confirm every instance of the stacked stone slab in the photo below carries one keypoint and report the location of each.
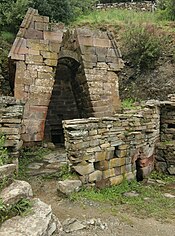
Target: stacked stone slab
(11, 111)
(166, 148)
(35, 53)
(92, 56)
(104, 151)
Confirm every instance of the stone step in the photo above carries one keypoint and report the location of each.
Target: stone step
(40, 222)
(16, 191)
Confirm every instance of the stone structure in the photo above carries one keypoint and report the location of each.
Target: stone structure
(62, 74)
(11, 111)
(165, 158)
(105, 150)
(137, 6)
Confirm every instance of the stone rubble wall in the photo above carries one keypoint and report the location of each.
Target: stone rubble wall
(104, 151)
(137, 6)
(11, 111)
(165, 158)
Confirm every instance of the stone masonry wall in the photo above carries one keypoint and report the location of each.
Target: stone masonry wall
(104, 151)
(39, 50)
(11, 111)
(165, 158)
(35, 54)
(137, 6)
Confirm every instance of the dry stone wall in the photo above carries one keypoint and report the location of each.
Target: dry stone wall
(104, 151)
(11, 111)
(137, 6)
(165, 158)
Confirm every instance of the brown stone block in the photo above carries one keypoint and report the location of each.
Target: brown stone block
(34, 59)
(90, 58)
(95, 176)
(33, 34)
(37, 44)
(18, 57)
(97, 42)
(40, 89)
(53, 36)
(45, 76)
(102, 165)
(121, 153)
(50, 62)
(54, 46)
(41, 99)
(8, 130)
(116, 162)
(116, 180)
(33, 52)
(49, 55)
(86, 41)
(41, 26)
(38, 18)
(49, 82)
(108, 173)
(39, 68)
(84, 168)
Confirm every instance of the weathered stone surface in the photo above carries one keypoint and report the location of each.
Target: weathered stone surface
(71, 225)
(69, 186)
(7, 171)
(84, 168)
(40, 222)
(16, 191)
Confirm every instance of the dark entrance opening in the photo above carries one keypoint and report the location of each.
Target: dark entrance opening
(63, 105)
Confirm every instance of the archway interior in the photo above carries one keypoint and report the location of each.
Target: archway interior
(63, 104)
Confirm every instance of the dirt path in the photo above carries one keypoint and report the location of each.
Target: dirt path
(101, 219)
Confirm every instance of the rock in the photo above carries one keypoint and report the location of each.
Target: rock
(131, 194)
(69, 186)
(168, 195)
(35, 166)
(71, 225)
(171, 170)
(7, 171)
(16, 191)
(59, 155)
(84, 169)
(41, 222)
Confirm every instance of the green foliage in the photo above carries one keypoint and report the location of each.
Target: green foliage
(128, 103)
(144, 45)
(21, 208)
(3, 151)
(12, 13)
(167, 9)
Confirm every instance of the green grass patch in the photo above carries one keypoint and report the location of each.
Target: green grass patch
(150, 201)
(129, 103)
(21, 208)
(115, 16)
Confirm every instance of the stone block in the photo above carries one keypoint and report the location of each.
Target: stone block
(86, 41)
(43, 26)
(53, 36)
(84, 168)
(39, 68)
(33, 34)
(102, 165)
(100, 156)
(116, 180)
(69, 186)
(95, 176)
(50, 62)
(38, 18)
(49, 55)
(90, 58)
(108, 173)
(97, 42)
(54, 46)
(121, 153)
(45, 76)
(34, 59)
(116, 162)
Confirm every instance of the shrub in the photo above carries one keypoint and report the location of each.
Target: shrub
(167, 9)
(143, 45)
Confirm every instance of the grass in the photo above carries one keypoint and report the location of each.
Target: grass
(29, 155)
(129, 103)
(115, 16)
(151, 202)
(21, 208)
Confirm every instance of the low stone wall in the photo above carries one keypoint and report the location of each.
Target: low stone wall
(137, 6)
(165, 158)
(11, 111)
(104, 151)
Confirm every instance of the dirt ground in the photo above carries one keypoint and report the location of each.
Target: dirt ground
(116, 223)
